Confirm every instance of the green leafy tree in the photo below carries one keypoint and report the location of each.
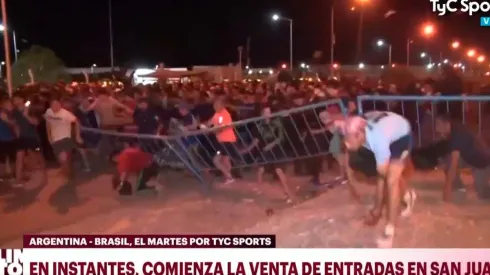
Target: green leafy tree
(43, 63)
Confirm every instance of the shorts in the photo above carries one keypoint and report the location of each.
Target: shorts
(8, 150)
(401, 146)
(364, 161)
(335, 147)
(28, 144)
(63, 145)
(227, 149)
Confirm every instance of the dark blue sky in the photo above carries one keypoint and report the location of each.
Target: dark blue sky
(185, 32)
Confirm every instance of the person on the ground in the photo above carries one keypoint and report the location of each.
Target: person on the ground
(388, 136)
(466, 150)
(133, 161)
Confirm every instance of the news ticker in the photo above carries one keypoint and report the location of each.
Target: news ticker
(245, 261)
(149, 241)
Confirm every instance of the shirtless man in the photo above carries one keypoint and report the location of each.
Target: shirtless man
(389, 136)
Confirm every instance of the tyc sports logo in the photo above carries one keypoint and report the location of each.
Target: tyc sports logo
(458, 6)
(11, 262)
(462, 6)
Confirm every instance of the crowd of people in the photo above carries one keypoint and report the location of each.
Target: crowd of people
(39, 119)
(225, 125)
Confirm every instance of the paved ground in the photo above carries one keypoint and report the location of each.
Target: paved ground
(331, 219)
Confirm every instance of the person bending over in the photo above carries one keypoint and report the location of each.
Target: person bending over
(466, 150)
(388, 136)
(133, 161)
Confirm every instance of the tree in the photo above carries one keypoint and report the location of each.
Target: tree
(42, 62)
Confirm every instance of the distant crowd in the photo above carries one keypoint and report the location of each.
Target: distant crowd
(41, 124)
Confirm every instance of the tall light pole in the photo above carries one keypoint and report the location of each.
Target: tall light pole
(240, 55)
(360, 29)
(332, 36)
(14, 37)
(111, 36)
(6, 46)
(382, 43)
(409, 41)
(428, 30)
(276, 17)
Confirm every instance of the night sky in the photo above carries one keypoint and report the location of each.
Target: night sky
(198, 32)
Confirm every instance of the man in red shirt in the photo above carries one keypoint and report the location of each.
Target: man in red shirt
(133, 161)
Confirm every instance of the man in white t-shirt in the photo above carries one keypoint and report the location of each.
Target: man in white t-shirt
(59, 124)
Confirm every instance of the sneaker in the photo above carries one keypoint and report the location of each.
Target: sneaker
(386, 240)
(340, 180)
(230, 180)
(409, 199)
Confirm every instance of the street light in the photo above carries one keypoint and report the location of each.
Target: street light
(381, 43)
(471, 53)
(481, 59)
(425, 55)
(455, 45)
(277, 17)
(428, 29)
(14, 37)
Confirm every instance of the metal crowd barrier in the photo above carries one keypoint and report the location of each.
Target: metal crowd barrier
(292, 131)
(422, 110)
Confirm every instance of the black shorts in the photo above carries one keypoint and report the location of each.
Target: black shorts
(401, 145)
(8, 149)
(28, 144)
(64, 145)
(364, 161)
(227, 149)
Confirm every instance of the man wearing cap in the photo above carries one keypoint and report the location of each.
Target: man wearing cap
(388, 136)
